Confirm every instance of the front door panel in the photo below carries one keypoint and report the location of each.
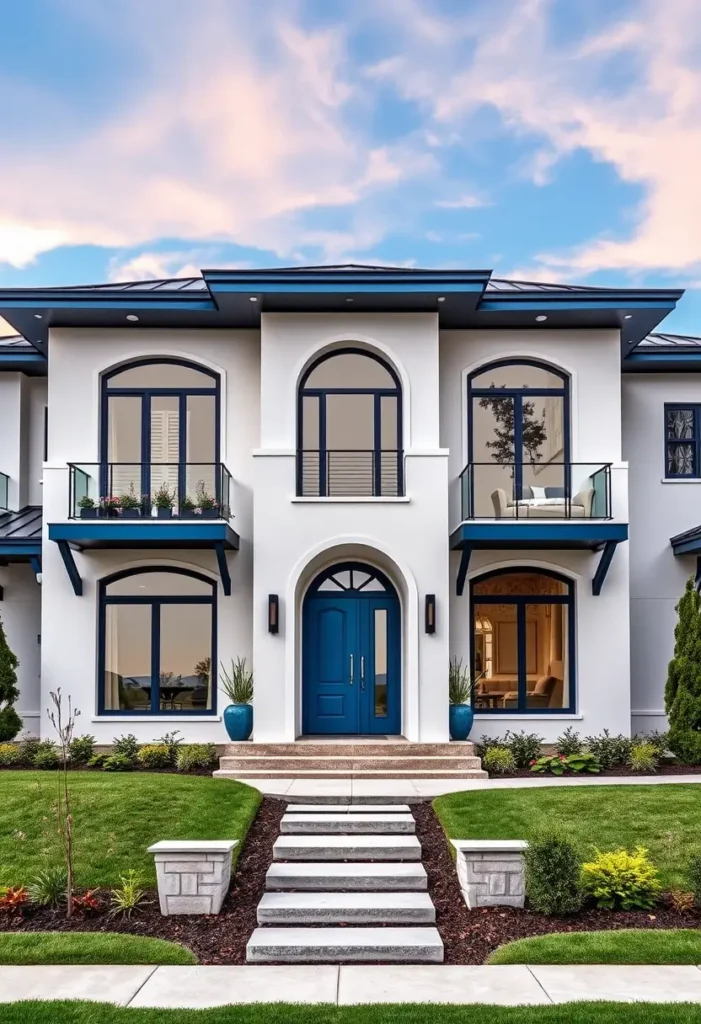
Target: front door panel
(380, 682)
(331, 665)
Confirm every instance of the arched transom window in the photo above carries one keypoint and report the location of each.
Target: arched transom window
(349, 427)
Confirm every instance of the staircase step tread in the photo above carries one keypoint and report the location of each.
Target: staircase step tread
(374, 903)
(335, 847)
(348, 809)
(311, 773)
(329, 875)
(409, 944)
(329, 824)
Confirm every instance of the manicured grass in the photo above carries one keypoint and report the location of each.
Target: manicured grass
(284, 1013)
(628, 946)
(665, 819)
(116, 818)
(89, 948)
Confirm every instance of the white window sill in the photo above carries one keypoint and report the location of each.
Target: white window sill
(165, 717)
(350, 500)
(680, 480)
(534, 716)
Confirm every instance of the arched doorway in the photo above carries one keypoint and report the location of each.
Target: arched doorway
(351, 653)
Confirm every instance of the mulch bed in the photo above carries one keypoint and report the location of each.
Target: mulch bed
(469, 936)
(219, 939)
(621, 770)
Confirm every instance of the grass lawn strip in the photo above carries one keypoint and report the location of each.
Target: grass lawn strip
(282, 1013)
(116, 818)
(89, 948)
(628, 946)
(666, 820)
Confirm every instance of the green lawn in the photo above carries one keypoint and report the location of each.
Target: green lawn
(665, 819)
(628, 946)
(116, 818)
(282, 1013)
(89, 948)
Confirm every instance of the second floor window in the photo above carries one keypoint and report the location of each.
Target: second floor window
(682, 441)
(349, 427)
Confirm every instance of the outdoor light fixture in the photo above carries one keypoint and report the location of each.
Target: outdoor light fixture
(430, 613)
(132, 316)
(628, 316)
(349, 300)
(441, 298)
(273, 613)
(541, 318)
(38, 316)
(252, 298)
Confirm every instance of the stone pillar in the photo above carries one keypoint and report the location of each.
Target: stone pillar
(491, 871)
(193, 874)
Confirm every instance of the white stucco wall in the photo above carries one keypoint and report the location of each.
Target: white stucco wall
(22, 401)
(20, 611)
(69, 635)
(659, 509)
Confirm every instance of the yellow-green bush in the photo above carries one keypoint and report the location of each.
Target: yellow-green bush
(619, 880)
(9, 754)
(155, 755)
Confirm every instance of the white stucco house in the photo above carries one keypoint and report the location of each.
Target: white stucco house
(362, 473)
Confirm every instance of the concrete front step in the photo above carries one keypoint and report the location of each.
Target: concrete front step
(381, 773)
(315, 876)
(348, 809)
(371, 748)
(344, 824)
(345, 945)
(312, 908)
(295, 765)
(347, 848)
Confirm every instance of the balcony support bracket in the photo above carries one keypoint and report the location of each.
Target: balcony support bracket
(223, 568)
(603, 566)
(71, 568)
(465, 554)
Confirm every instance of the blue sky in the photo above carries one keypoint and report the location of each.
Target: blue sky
(545, 139)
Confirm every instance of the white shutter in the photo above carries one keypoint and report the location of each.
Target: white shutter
(165, 447)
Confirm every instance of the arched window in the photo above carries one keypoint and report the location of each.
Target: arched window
(157, 642)
(349, 429)
(160, 431)
(518, 438)
(528, 615)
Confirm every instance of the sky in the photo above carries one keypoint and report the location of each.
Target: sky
(553, 140)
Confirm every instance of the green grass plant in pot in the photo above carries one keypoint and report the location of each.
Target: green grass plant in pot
(238, 686)
(461, 715)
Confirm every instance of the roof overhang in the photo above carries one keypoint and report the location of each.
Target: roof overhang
(687, 543)
(663, 360)
(23, 359)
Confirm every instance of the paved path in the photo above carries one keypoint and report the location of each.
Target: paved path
(202, 987)
(411, 790)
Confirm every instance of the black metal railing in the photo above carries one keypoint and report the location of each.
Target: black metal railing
(133, 490)
(536, 490)
(372, 473)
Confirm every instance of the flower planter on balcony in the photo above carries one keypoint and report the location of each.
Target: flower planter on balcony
(208, 513)
(131, 513)
(89, 513)
(164, 513)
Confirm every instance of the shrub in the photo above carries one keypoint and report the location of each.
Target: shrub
(49, 887)
(683, 687)
(610, 750)
(172, 741)
(81, 749)
(46, 756)
(553, 874)
(485, 743)
(9, 755)
(13, 898)
(196, 755)
(558, 764)
(128, 896)
(155, 755)
(98, 760)
(86, 902)
(681, 900)
(619, 880)
(499, 761)
(659, 740)
(643, 758)
(525, 746)
(569, 742)
(126, 745)
(27, 750)
(693, 877)
(117, 763)
(10, 722)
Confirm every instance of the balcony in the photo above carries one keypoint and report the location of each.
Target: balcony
(152, 506)
(512, 505)
(368, 473)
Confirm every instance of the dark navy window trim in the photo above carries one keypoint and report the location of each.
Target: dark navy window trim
(521, 601)
(155, 601)
(694, 441)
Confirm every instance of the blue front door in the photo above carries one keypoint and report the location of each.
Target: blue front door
(351, 655)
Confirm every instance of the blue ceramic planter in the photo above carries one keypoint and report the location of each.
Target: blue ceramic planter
(238, 719)
(460, 719)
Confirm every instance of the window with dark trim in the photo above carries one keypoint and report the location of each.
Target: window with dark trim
(522, 623)
(349, 427)
(157, 642)
(682, 441)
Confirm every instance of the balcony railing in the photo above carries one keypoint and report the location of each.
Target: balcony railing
(164, 490)
(4, 492)
(343, 474)
(527, 490)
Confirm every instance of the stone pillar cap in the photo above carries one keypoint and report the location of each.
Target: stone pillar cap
(490, 845)
(193, 846)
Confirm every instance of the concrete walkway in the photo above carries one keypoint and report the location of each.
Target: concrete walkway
(411, 790)
(202, 987)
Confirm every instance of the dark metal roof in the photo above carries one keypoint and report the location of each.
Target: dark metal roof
(168, 284)
(502, 284)
(20, 528)
(14, 341)
(671, 341)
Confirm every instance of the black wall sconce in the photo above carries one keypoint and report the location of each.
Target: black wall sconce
(273, 613)
(430, 613)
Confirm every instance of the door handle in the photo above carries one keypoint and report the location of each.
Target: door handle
(351, 669)
(362, 671)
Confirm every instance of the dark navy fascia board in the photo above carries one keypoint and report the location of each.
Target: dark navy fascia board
(675, 360)
(332, 280)
(605, 299)
(532, 534)
(688, 543)
(23, 551)
(33, 362)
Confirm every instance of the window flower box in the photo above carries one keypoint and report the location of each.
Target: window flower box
(89, 513)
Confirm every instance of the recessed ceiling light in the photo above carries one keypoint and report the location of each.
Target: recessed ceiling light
(541, 318)
(252, 298)
(132, 316)
(628, 316)
(441, 298)
(350, 300)
(38, 316)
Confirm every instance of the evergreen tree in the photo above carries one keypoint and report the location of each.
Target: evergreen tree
(683, 688)
(10, 722)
